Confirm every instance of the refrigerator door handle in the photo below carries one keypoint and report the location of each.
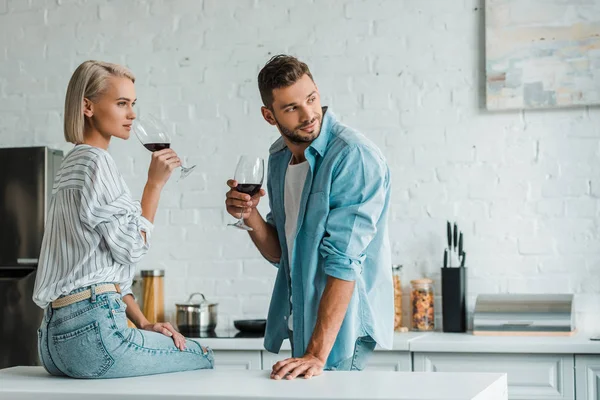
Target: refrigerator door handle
(27, 261)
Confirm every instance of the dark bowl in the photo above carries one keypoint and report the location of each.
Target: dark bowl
(251, 325)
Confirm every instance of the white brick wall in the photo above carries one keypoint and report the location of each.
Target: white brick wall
(523, 186)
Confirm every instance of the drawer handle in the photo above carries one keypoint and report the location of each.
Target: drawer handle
(27, 261)
(518, 324)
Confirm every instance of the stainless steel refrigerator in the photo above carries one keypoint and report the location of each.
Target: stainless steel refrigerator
(26, 179)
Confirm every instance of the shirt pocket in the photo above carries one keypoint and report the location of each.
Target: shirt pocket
(82, 353)
(315, 215)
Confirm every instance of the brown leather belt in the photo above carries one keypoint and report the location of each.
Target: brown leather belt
(85, 294)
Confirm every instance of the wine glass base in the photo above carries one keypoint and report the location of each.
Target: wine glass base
(185, 171)
(241, 225)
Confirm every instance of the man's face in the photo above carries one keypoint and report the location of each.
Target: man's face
(297, 111)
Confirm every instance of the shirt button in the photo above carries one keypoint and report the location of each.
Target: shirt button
(285, 318)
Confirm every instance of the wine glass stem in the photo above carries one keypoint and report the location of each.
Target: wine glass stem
(241, 221)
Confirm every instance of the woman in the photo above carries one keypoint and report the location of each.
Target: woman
(95, 235)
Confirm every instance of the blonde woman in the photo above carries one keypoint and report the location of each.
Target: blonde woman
(95, 234)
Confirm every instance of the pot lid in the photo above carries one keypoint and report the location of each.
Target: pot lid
(202, 303)
(152, 272)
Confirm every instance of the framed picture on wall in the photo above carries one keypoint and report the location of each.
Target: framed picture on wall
(542, 53)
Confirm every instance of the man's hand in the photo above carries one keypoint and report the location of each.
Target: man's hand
(291, 368)
(238, 202)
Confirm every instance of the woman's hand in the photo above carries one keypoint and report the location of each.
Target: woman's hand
(166, 329)
(162, 164)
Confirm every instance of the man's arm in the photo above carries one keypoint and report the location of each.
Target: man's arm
(332, 309)
(264, 236)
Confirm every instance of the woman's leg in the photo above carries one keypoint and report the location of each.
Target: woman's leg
(91, 339)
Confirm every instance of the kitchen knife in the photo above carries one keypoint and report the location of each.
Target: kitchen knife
(462, 261)
(455, 236)
(460, 244)
(449, 249)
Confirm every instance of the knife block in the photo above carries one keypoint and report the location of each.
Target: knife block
(454, 304)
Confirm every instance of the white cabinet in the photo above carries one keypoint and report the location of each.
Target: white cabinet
(587, 377)
(237, 359)
(390, 361)
(530, 376)
(269, 359)
(380, 360)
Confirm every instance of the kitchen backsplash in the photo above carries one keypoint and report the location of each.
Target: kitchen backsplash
(524, 186)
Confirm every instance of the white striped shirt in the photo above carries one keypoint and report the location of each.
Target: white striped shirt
(93, 229)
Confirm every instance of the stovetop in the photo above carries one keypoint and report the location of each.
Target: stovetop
(225, 334)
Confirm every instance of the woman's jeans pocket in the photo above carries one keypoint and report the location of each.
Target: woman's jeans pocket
(82, 352)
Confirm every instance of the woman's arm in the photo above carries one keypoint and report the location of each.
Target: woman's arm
(136, 316)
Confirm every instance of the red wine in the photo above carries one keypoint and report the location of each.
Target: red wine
(248, 188)
(157, 146)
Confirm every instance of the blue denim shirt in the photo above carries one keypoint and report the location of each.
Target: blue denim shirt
(342, 232)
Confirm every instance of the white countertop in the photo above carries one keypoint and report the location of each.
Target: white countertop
(21, 383)
(449, 342)
(469, 343)
(401, 342)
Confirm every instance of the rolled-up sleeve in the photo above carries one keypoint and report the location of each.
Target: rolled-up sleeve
(357, 199)
(126, 287)
(107, 207)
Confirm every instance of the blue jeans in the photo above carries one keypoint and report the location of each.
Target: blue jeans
(91, 339)
(363, 348)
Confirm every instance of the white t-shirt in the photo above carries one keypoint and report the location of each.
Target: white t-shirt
(294, 184)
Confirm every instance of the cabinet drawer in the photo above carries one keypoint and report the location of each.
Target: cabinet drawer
(530, 376)
(379, 361)
(236, 359)
(587, 377)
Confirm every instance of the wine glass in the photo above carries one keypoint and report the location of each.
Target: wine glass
(155, 136)
(249, 175)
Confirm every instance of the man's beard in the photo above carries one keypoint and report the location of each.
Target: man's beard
(295, 137)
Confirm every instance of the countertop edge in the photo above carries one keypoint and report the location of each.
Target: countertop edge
(431, 342)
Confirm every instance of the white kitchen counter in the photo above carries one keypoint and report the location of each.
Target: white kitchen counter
(21, 383)
(467, 343)
(401, 342)
(450, 342)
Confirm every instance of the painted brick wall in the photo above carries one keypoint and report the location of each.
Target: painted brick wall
(523, 186)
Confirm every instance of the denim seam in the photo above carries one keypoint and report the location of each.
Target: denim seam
(160, 351)
(78, 313)
(41, 343)
(356, 347)
(47, 341)
(75, 333)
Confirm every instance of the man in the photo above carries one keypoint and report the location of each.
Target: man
(329, 192)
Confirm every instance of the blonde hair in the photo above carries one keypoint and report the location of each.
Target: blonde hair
(88, 82)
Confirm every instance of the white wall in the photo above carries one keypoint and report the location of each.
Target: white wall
(523, 186)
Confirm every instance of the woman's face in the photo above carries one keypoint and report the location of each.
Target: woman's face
(111, 114)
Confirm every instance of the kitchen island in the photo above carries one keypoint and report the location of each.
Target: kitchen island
(23, 383)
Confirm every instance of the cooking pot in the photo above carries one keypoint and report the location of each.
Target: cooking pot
(194, 317)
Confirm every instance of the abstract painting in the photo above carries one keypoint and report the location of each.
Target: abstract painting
(542, 53)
